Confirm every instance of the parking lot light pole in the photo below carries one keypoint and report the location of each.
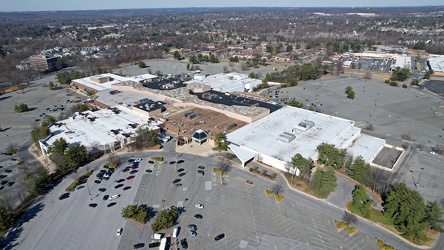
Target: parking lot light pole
(89, 191)
(163, 204)
(10, 144)
(437, 143)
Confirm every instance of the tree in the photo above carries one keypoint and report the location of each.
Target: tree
(253, 75)
(22, 107)
(165, 218)
(277, 189)
(361, 201)
(129, 211)
(324, 182)
(329, 155)
(406, 209)
(6, 218)
(368, 75)
(295, 103)
(58, 147)
(350, 93)
(349, 218)
(52, 86)
(213, 59)
(289, 48)
(304, 165)
(141, 64)
(361, 171)
(221, 143)
(224, 163)
(176, 55)
(415, 82)
(76, 156)
(400, 74)
(433, 216)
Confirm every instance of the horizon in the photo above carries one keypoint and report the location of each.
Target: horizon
(84, 5)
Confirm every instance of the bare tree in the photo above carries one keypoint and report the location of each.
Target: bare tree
(224, 163)
(8, 200)
(277, 189)
(349, 218)
(113, 158)
(380, 180)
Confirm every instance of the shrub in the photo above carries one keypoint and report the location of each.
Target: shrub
(268, 192)
(404, 86)
(384, 246)
(76, 181)
(393, 84)
(387, 81)
(157, 158)
(278, 197)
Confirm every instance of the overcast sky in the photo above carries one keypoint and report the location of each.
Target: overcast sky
(35, 5)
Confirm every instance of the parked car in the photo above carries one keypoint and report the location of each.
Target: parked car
(198, 205)
(114, 197)
(201, 167)
(120, 180)
(182, 174)
(93, 205)
(157, 236)
(154, 244)
(180, 170)
(119, 231)
(198, 216)
(105, 197)
(10, 183)
(176, 181)
(184, 243)
(118, 186)
(134, 171)
(63, 196)
(220, 236)
(192, 227)
(129, 178)
(126, 188)
(151, 162)
(8, 171)
(102, 189)
(201, 172)
(3, 182)
(149, 171)
(192, 233)
(178, 185)
(138, 245)
(80, 187)
(111, 204)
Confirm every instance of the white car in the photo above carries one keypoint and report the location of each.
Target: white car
(114, 197)
(198, 205)
(119, 231)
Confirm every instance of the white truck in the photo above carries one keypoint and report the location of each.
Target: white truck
(163, 244)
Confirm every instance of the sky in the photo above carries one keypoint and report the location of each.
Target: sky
(42, 5)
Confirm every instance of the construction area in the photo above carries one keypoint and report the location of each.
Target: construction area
(185, 122)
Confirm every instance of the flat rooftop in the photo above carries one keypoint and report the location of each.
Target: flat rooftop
(127, 96)
(227, 99)
(164, 83)
(289, 131)
(100, 127)
(228, 82)
(90, 83)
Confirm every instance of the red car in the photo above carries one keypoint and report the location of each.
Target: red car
(130, 177)
(176, 181)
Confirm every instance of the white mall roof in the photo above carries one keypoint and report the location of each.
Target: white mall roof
(228, 82)
(437, 63)
(141, 77)
(102, 86)
(79, 130)
(278, 134)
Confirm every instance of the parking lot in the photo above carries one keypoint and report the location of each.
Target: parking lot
(369, 64)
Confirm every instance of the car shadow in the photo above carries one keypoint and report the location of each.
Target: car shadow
(5, 97)
(8, 241)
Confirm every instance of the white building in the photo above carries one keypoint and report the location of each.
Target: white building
(276, 138)
(106, 128)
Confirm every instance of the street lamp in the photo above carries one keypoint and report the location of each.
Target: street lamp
(437, 143)
(369, 117)
(10, 144)
(163, 203)
(89, 191)
(431, 147)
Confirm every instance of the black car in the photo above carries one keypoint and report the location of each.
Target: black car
(118, 186)
(198, 216)
(10, 183)
(178, 185)
(111, 204)
(3, 176)
(149, 171)
(105, 197)
(180, 161)
(138, 245)
(154, 244)
(8, 171)
(126, 188)
(97, 181)
(184, 243)
(102, 189)
(180, 170)
(220, 236)
(1, 187)
(134, 171)
(201, 167)
(130, 160)
(93, 205)
(172, 162)
(63, 196)
(120, 180)
(182, 174)
(4, 182)
(151, 162)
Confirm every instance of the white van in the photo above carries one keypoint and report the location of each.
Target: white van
(176, 232)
